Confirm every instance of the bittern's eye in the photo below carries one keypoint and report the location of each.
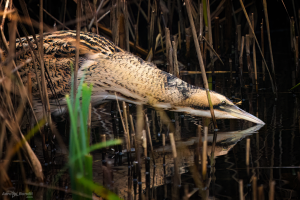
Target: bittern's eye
(223, 103)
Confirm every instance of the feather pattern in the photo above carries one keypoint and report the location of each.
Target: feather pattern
(112, 71)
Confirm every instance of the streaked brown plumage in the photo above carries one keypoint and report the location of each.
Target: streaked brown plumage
(112, 70)
(59, 53)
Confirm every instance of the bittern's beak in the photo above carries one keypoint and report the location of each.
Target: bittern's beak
(236, 112)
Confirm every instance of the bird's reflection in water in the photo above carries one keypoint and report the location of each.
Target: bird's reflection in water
(186, 151)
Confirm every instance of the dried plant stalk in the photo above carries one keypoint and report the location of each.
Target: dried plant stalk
(269, 35)
(230, 67)
(29, 87)
(200, 61)
(153, 124)
(239, 37)
(255, 67)
(297, 55)
(168, 46)
(210, 35)
(125, 128)
(188, 41)
(139, 125)
(218, 10)
(254, 188)
(247, 151)
(241, 189)
(261, 195)
(198, 153)
(248, 57)
(149, 138)
(214, 52)
(201, 22)
(160, 32)
(241, 63)
(179, 35)
(204, 151)
(145, 143)
(254, 52)
(96, 13)
(272, 190)
(181, 19)
(134, 138)
(177, 177)
(262, 47)
(176, 69)
(273, 83)
(122, 36)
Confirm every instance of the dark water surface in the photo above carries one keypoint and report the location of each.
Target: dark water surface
(274, 153)
(274, 156)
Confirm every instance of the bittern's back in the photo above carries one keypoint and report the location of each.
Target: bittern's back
(59, 54)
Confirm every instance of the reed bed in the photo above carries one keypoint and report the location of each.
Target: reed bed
(170, 26)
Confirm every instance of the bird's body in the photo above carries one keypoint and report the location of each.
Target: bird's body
(114, 72)
(59, 53)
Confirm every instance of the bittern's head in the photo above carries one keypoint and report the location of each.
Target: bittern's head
(197, 104)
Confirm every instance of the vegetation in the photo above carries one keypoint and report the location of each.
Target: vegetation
(81, 162)
(218, 39)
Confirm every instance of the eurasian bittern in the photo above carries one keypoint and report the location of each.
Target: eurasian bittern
(114, 71)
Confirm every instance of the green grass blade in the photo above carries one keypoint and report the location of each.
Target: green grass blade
(294, 87)
(77, 100)
(104, 144)
(72, 82)
(98, 189)
(93, 148)
(86, 98)
(83, 132)
(73, 135)
(29, 135)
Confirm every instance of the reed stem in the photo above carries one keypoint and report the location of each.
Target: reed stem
(273, 83)
(241, 63)
(149, 138)
(200, 61)
(241, 189)
(247, 151)
(177, 175)
(204, 151)
(254, 53)
(261, 195)
(272, 190)
(254, 188)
